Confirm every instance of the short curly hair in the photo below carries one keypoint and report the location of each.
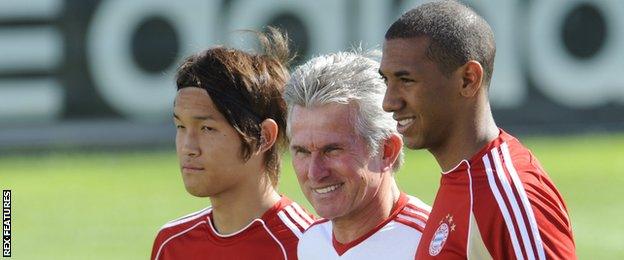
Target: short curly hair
(457, 34)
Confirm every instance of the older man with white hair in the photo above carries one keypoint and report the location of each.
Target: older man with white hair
(345, 151)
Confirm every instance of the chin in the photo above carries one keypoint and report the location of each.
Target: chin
(413, 144)
(197, 192)
(328, 213)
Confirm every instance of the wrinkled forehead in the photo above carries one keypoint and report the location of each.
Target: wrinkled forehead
(332, 122)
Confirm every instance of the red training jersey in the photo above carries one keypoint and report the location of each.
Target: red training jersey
(499, 205)
(273, 236)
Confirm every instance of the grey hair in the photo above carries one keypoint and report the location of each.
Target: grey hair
(345, 78)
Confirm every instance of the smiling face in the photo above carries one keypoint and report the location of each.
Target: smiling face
(208, 147)
(333, 165)
(423, 99)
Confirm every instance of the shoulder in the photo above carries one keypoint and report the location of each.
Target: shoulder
(319, 232)
(322, 223)
(520, 202)
(414, 214)
(291, 218)
(186, 220)
(178, 227)
(320, 228)
(317, 242)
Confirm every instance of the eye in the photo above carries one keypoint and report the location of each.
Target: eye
(406, 80)
(178, 126)
(207, 128)
(333, 150)
(300, 151)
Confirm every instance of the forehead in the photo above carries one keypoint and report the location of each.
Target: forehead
(404, 52)
(193, 100)
(323, 124)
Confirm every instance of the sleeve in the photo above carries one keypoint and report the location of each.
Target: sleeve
(157, 246)
(527, 221)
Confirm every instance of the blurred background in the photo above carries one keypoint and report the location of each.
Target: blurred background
(86, 91)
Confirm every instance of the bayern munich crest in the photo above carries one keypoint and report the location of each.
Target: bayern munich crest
(441, 234)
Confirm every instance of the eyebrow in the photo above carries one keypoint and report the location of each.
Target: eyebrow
(298, 147)
(324, 148)
(201, 118)
(399, 73)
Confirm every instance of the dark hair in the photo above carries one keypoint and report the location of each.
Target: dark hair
(457, 34)
(246, 88)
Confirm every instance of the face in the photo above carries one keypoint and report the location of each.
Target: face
(423, 99)
(208, 147)
(332, 162)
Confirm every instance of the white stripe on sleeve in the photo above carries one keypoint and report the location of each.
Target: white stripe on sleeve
(289, 224)
(500, 172)
(525, 201)
(502, 207)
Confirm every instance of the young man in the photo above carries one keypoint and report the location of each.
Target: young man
(345, 151)
(230, 120)
(495, 200)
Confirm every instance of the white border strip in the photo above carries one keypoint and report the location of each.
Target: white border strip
(302, 212)
(187, 218)
(500, 172)
(470, 212)
(176, 235)
(413, 220)
(296, 217)
(416, 212)
(290, 224)
(274, 238)
(525, 201)
(502, 207)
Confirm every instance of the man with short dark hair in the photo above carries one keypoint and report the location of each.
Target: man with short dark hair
(230, 120)
(495, 200)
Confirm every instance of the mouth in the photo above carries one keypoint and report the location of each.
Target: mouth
(192, 169)
(404, 123)
(327, 189)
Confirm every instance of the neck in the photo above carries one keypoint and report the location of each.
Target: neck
(353, 226)
(470, 134)
(235, 209)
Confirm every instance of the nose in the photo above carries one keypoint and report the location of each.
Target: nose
(392, 101)
(317, 169)
(189, 145)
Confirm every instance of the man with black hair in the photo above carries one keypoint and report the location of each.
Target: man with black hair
(495, 200)
(230, 121)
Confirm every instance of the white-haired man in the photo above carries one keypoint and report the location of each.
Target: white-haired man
(345, 151)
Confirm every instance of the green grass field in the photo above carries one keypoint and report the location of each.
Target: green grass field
(110, 205)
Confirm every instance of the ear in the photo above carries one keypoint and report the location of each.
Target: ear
(392, 148)
(268, 135)
(472, 78)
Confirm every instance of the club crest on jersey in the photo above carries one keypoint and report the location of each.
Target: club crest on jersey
(445, 227)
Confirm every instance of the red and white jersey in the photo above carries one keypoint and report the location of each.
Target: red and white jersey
(396, 237)
(499, 205)
(273, 236)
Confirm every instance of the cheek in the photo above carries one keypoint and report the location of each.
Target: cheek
(347, 168)
(179, 143)
(218, 147)
(300, 167)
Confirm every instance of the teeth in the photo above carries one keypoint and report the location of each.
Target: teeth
(327, 189)
(404, 122)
